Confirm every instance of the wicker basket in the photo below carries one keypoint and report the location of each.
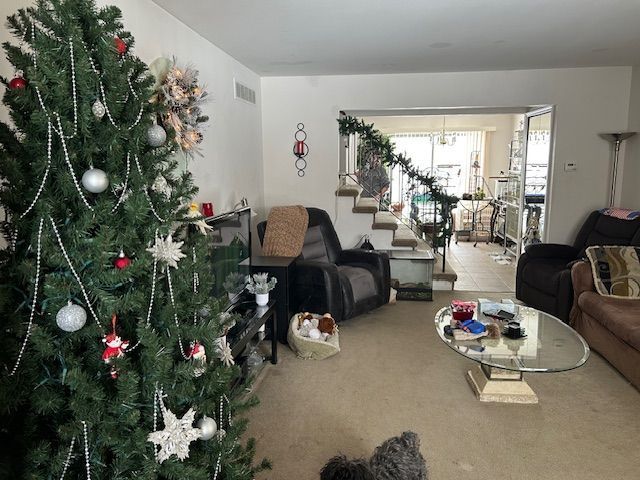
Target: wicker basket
(308, 348)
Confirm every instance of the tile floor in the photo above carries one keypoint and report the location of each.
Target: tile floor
(476, 269)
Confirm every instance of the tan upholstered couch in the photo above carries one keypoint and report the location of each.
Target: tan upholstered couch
(611, 326)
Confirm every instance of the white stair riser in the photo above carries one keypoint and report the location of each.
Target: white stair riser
(350, 228)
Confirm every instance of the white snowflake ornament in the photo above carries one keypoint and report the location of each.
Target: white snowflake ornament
(160, 185)
(224, 353)
(176, 436)
(167, 251)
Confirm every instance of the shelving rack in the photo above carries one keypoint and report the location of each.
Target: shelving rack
(512, 197)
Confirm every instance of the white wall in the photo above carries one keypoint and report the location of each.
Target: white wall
(588, 100)
(631, 169)
(232, 164)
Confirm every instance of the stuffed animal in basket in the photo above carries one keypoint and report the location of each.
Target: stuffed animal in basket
(316, 328)
(398, 458)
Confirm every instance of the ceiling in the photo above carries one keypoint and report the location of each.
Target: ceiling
(323, 37)
(434, 123)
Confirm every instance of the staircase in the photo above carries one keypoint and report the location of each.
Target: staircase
(358, 216)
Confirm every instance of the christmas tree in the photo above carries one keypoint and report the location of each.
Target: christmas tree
(106, 287)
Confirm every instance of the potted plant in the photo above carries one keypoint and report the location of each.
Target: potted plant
(234, 284)
(261, 285)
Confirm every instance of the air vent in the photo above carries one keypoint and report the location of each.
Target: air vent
(242, 92)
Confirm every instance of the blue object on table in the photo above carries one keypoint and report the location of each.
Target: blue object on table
(472, 326)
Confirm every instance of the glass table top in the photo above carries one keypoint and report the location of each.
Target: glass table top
(550, 344)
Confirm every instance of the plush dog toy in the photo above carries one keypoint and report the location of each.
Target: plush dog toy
(398, 458)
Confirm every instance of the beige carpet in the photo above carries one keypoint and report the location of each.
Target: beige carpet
(395, 374)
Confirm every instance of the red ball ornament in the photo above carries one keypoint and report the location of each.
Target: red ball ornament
(122, 261)
(17, 83)
(121, 47)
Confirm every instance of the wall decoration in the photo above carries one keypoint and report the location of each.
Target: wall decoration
(300, 149)
(178, 89)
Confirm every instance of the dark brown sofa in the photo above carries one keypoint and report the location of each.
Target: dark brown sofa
(611, 326)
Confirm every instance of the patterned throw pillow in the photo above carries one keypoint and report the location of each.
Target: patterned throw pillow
(616, 270)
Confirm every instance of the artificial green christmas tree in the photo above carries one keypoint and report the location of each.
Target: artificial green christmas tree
(105, 283)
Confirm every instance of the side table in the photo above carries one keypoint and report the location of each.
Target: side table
(282, 269)
(241, 334)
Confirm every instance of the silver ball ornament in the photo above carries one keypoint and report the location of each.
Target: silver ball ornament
(156, 136)
(98, 109)
(208, 427)
(71, 318)
(95, 180)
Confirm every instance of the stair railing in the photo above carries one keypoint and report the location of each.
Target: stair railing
(406, 199)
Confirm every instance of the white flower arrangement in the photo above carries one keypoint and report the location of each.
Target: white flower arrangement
(259, 283)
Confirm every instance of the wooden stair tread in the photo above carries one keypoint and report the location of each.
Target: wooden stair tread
(366, 205)
(404, 237)
(445, 276)
(385, 221)
(348, 191)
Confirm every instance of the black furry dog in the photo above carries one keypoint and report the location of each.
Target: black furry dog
(398, 458)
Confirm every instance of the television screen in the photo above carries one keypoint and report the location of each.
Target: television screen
(231, 243)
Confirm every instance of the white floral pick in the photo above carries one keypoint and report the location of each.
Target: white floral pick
(167, 251)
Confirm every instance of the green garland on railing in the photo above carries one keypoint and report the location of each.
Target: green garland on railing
(378, 143)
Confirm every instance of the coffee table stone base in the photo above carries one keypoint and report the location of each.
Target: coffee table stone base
(504, 386)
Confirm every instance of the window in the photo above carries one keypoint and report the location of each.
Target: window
(451, 161)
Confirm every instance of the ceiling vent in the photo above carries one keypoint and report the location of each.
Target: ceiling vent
(242, 92)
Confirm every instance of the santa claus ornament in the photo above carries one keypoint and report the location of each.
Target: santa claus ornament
(198, 356)
(115, 346)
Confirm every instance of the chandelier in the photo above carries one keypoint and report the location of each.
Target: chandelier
(443, 140)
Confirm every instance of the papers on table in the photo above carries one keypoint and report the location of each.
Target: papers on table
(489, 307)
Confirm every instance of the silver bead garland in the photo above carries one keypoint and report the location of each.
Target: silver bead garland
(86, 450)
(59, 131)
(196, 282)
(124, 194)
(145, 187)
(67, 462)
(153, 294)
(46, 173)
(157, 399)
(14, 240)
(175, 314)
(67, 159)
(73, 88)
(73, 271)
(104, 97)
(34, 303)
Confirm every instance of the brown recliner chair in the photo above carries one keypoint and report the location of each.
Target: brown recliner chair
(611, 326)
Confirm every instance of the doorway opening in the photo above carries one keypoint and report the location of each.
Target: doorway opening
(498, 162)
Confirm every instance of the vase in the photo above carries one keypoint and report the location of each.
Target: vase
(262, 299)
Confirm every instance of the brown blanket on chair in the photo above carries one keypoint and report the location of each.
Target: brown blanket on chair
(286, 229)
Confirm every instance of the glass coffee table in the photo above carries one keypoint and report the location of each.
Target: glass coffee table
(549, 346)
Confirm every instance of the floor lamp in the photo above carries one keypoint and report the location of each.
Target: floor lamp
(616, 140)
